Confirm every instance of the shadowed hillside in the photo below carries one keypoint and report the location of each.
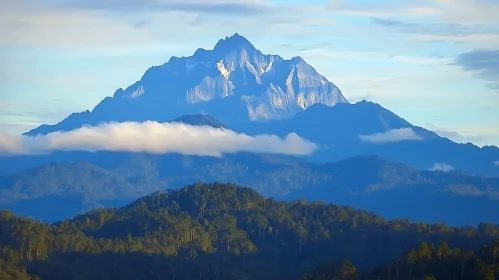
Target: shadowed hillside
(393, 190)
(216, 231)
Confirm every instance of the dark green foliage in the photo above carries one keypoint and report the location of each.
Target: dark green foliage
(342, 270)
(218, 231)
(439, 261)
(425, 262)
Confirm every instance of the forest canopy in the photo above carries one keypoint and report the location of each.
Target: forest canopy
(224, 231)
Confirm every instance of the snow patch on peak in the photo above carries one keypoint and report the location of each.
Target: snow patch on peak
(269, 66)
(305, 101)
(439, 166)
(223, 71)
(138, 92)
(301, 101)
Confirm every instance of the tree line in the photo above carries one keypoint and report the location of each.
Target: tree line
(224, 231)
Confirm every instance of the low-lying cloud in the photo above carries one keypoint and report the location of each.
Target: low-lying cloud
(157, 138)
(441, 167)
(393, 135)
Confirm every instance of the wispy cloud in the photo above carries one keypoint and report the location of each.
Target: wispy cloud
(441, 167)
(383, 8)
(468, 11)
(496, 163)
(479, 135)
(469, 22)
(485, 63)
(78, 24)
(472, 35)
(225, 7)
(436, 28)
(463, 11)
(393, 135)
(475, 40)
(458, 137)
(154, 137)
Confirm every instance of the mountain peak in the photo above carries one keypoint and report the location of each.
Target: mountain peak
(234, 42)
(297, 59)
(234, 82)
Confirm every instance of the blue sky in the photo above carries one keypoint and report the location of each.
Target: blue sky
(434, 63)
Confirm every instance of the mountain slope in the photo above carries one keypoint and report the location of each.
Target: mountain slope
(428, 261)
(66, 179)
(56, 191)
(220, 231)
(233, 82)
(235, 85)
(391, 189)
(334, 125)
(200, 119)
(366, 128)
(396, 190)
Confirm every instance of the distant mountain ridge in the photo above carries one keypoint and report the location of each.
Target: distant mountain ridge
(394, 190)
(236, 86)
(338, 132)
(341, 130)
(233, 82)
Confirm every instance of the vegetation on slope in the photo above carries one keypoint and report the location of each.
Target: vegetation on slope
(382, 186)
(65, 179)
(218, 231)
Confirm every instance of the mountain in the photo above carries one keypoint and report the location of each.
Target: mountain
(55, 191)
(34, 191)
(393, 190)
(235, 76)
(200, 119)
(235, 86)
(225, 231)
(343, 131)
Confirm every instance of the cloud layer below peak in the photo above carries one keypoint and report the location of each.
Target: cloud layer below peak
(156, 138)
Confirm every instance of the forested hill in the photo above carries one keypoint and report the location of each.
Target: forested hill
(393, 190)
(222, 231)
(425, 262)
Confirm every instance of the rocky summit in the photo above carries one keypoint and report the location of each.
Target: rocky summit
(234, 82)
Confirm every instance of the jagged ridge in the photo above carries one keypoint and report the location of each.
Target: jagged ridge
(233, 82)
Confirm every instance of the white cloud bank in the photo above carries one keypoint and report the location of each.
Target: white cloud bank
(154, 137)
(441, 167)
(393, 135)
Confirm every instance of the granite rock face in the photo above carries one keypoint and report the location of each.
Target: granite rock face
(232, 82)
